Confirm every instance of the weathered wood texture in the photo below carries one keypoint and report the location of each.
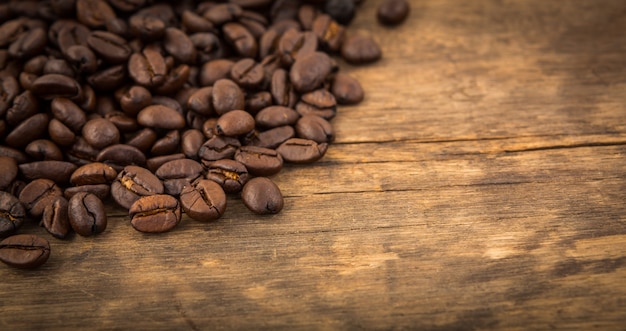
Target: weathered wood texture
(480, 185)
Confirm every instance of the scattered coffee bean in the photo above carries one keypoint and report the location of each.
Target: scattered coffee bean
(86, 212)
(24, 251)
(56, 219)
(155, 213)
(12, 214)
(203, 200)
(360, 49)
(262, 196)
(393, 12)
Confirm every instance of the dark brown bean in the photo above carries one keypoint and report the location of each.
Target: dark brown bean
(178, 173)
(319, 102)
(86, 213)
(28, 44)
(155, 213)
(241, 39)
(100, 133)
(211, 71)
(262, 196)
(360, 49)
(55, 218)
(346, 89)
(12, 214)
(310, 71)
(60, 133)
(94, 13)
(235, 123)
(108, 79)
(283, 93)
(57, 171)
(191, 141)
(54, 85)
(297, 150)
(259, 161)
(275, 116)
(24, 106)
(230, 174)
(82, 59)
(37, 194)
(99, 190)
(9, 171)
(24, 251)
(329, 32)
(132, 183)
(121, 155)
(217, 148)
(247, 73)
(162, 117)
(203, 200)
(135, 99)
(226, 96)
(392, 12)
(30, 129)
(147, 68)
(155, 162)
(143, 139)
(315, 128)
(272, 138)
(93, 173)
(166, 145)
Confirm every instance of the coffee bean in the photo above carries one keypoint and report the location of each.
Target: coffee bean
(241, 39)
(319, 102)
(275, 116)
(13, 153)
(132, 183)
(190, 143)
(193, 22)
(58, 66)
(329, 32)
(315, 128)
(346, 89)
(146, 27)
(226, 96)
(147, 68)
(94, 13)
(162, 117)
(294, 44)
(100, 133)
(235, 123)
(392, 12)
(127, 5)
(360, 49)
(213, 70)
(108, 79)
(257, 101)
(262, 196)
(310, 71)
(155, 213)
(204, 200)
(259, 161)
(340, 10)
(93, 173)
(24, 251)
(143, 139)
(135, 99)
(272, 138)
(178, 173)
(55, 218)
(298, 150)
(247, 73)
(24, 106)
(99, 190)
(283, 93)
(37, 194)
(9, 89)
(166, 145)
(155, 162)
(120, 155)
(57, 171)
(87, 215)
(30, 129)
(217, 148)
(230, 174)
(178, 44)
(28, 44)
(223, 13)
(70, 34)
(54, 85)
(66, 111)
(12, 214)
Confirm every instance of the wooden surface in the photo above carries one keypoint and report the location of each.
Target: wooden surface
(480, 185)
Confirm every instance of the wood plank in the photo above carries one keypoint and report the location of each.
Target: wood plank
(480, 185)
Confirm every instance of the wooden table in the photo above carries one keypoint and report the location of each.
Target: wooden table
(480, 185)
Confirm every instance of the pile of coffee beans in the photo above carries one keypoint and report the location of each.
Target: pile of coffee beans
(164, 107)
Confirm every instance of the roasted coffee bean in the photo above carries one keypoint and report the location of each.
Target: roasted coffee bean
(201, 101)
(60, 133)
(108, 79)
(275, 116)
(143, 139)
(268, 43)
(94, 13)
(168, 102)
(55, 218)
(262, 196)
(36, 64)
(155, 214)
(24, 106)
(37, 194)
(30, 129)
(24, 251)
(118, 27)
(217, 148)
(178, 173)
(329, 32)
(132, 183)
(193, 22)
(55, 85)
(319, 102)
(123, 122)
(58, 66)
(272, 138)
(283, 10)
(87, 215)
(27, 80)
(93, 173)
(12, 214)
(230, 174)
(208, 46)
(298, 150)
(257, 101)
(294, 44)
(162, 117)
(43, 150)
(17, 155)
(70, 34)
(127, 5)
(247, 73)
(82, 59)
(147, 28)
(99, 190)
(166, 145)
(315, 128)
(100, 133)
(226, 96)
(81, 152)
(11, 31)
(174, 80)
(57, 171)
(220, 14)
(120, 155)
(8, 172)
(235, 123)
(241, 39)
(155, 162)
(28, 44)
(259, 161)
(393, 12)
(310, 71)
(68, 113)
(190, 143)
(346, 89)
(208, 127)
(135, 99)
(211, 71)
(341, 11)
(111, 48)
(147, 68)
(360, 49)
(306, 16)
(283, 93)
(178, 44)
(9, 89)
(204, 200)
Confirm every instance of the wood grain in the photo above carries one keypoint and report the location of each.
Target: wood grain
(480, 185)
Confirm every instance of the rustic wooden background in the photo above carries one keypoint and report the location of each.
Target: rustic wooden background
(480, 185)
